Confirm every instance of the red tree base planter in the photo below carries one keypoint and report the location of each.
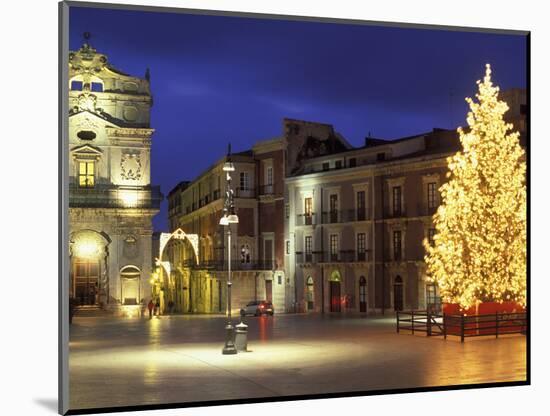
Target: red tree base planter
(488, 318)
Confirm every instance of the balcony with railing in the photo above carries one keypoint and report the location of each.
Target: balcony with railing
(306, 219)
(342, 216)
(236, 265)
(113, 196)
(396, 212)
(424, 210)
(266, 190)
(342, 256)
(245, 193)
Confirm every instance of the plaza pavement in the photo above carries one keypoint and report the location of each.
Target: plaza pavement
(174, 359)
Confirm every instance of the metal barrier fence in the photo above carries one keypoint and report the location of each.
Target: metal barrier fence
(463, 326)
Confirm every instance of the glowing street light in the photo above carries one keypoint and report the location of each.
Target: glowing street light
(229, 217)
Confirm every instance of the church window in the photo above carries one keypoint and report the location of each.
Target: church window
(86, 174)
(76, 85)
(97, 87)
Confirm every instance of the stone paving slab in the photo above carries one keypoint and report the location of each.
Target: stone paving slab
(178, 359)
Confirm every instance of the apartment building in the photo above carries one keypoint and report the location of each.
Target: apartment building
(323, 226)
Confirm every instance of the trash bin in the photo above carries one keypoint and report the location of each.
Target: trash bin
(241, 336)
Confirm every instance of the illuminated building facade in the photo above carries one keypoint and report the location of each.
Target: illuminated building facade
(324, 226)
(111, 200)
(257, 261)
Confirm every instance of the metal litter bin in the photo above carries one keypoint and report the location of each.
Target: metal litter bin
(241, 337)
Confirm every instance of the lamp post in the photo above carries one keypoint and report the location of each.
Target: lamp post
(229, 217)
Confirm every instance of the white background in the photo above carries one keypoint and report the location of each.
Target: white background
(28, 175)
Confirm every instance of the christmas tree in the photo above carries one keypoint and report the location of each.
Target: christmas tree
(479, 248)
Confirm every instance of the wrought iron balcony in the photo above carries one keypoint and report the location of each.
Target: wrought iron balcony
(266, 189)
(342, 216)
(424, 210)
(245, 193)
(306, 219)
(343, 256)
(113, 196)
(236, 265)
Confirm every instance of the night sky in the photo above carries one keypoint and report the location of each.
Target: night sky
(219, 79)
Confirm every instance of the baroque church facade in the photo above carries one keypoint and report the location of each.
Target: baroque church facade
(111, 199)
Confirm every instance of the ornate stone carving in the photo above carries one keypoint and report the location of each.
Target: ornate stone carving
(130, 247)
(130, 166)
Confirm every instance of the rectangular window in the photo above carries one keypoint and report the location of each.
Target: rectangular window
(361, 214)
(396, 194)
(326, 166)
(308, 245)
(338, 164)
(279, 280)
(244, 183)
(86, 175)
(431, 233)
(361, 246)
(431, 195)
(308, 210)
(97, 87)
(287, 211)
(397, 245)
(334, 247)
(269, 178)
(380, 157)
(333, 203)
(76, 85)
(287, 247)
(352, 162)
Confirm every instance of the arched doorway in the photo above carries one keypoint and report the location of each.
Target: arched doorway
(89, 284)
(362, 294)
(398, 293)
(178, 254)
(130, 287)
(309, 293)
(335, 291)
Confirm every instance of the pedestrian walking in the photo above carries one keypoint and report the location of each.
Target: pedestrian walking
(150, 306)
(157, 307)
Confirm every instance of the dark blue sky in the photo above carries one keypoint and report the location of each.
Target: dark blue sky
(216, 79)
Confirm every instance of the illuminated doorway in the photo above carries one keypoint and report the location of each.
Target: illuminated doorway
(335, 291)
(309, 293)
(86, 281)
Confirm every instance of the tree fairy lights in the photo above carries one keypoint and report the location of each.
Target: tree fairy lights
(479, 249)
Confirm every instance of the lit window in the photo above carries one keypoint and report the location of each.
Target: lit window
(86, 175)
(245, 254)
